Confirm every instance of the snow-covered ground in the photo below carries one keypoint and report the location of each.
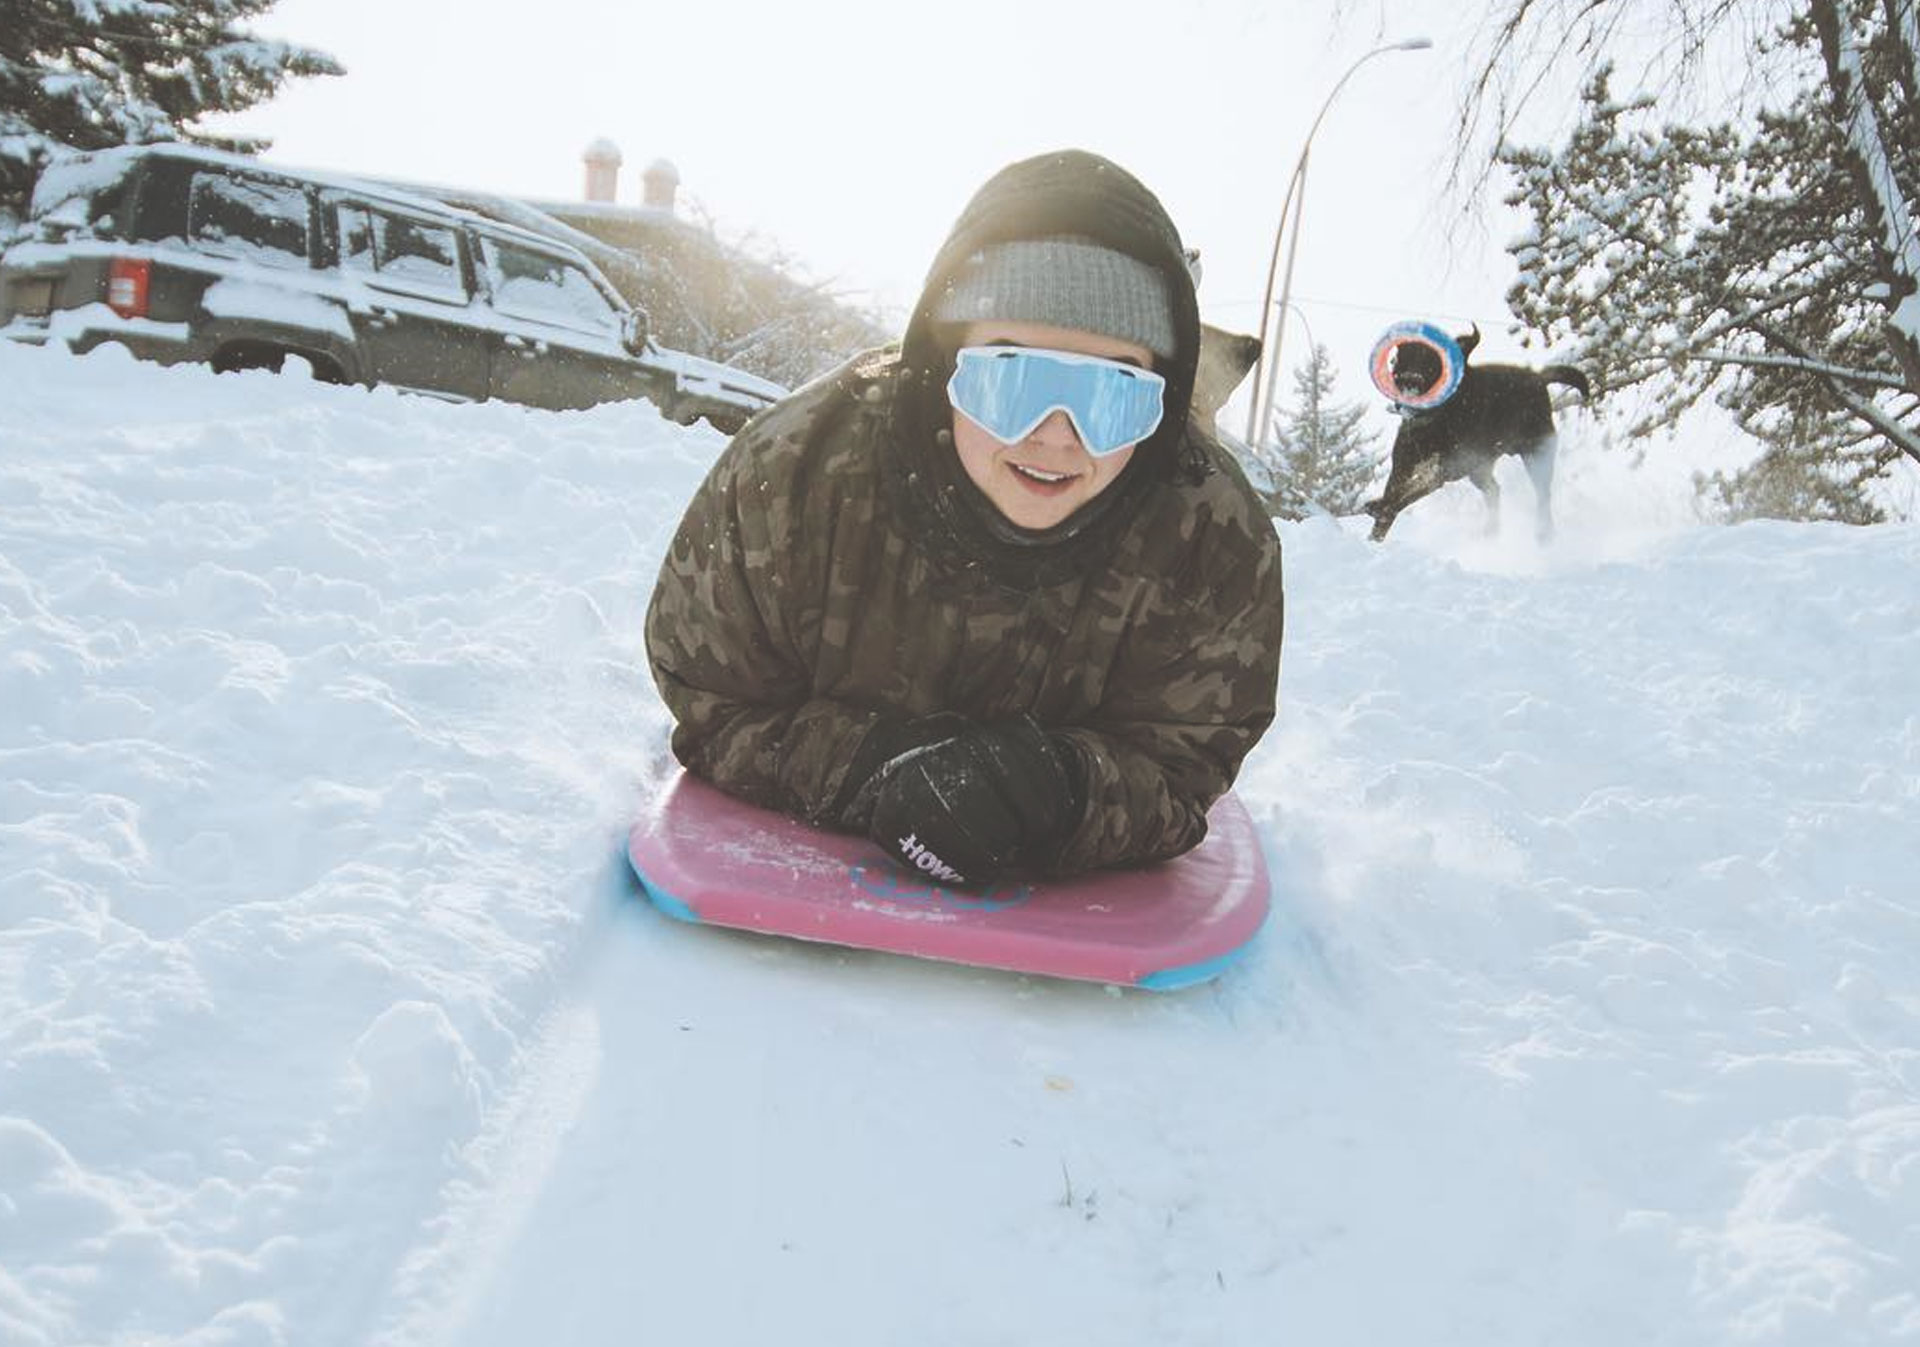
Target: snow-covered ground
(1587, 1015)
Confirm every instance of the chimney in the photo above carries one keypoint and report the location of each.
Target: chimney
(603, 170)
(659, 184)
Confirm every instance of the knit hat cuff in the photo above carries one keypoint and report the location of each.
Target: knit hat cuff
(1064, 282)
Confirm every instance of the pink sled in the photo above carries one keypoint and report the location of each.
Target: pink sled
(703, 856)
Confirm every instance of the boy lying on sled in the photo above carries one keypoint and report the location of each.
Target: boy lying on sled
(989, 598)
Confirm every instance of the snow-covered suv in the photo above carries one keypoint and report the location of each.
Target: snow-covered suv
(185, 254)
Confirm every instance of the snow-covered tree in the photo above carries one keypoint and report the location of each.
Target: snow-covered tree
(1767, 260)
(1788, 481)
(1318, 458)
(88, 74)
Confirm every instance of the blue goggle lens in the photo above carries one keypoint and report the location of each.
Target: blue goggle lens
(1009, 390)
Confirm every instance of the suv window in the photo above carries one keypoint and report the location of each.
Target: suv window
(80, 193)
(266, 221)
(401, 252)
(527, 283)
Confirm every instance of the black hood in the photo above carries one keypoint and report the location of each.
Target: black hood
(1072, 192)
(1066, 192)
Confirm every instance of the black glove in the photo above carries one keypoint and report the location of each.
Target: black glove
(888, 740)
(965, 809)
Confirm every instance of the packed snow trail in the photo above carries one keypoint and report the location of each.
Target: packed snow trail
(1544, 1014)
(327, 1015)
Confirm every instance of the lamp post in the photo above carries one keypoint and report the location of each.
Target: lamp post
(1286, 306)
(1267, 371)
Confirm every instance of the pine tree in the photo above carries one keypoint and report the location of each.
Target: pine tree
(1321, 462)
(81, 75)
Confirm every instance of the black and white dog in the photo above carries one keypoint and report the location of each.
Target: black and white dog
(1497, 409)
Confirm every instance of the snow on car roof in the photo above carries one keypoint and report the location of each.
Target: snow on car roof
(86, 174)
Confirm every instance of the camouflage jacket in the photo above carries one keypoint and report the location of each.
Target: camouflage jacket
(797, 606)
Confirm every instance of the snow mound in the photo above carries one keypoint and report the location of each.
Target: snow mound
(1586, 1014)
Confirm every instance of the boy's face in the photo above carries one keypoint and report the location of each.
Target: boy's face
(1044, 478)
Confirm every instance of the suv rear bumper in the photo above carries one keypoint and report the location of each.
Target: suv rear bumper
(94, 325)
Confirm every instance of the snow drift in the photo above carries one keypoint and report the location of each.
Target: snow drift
(1587, 1013)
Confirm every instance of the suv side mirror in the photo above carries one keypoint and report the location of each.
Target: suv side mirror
(634, 331)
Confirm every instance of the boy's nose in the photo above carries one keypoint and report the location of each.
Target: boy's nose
(1056, 429)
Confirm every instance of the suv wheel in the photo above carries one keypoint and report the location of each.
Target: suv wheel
(257, 355)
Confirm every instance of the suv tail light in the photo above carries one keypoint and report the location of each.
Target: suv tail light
(127, 281)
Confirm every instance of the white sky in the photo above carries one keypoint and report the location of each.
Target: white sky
(850, 132)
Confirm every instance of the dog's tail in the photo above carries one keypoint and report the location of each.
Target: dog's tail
(1570, 376)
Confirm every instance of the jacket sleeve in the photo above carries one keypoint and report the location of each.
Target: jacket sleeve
(1191, 693)
(727, 647)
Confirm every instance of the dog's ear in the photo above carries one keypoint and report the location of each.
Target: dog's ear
(1468, 340)
(1225, 358)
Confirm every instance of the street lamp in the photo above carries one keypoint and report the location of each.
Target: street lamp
(1287, 306)
(1295, 200)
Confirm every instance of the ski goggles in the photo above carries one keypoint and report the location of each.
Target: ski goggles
(1009, 390)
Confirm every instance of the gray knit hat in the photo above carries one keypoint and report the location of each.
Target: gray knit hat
(1067, 281)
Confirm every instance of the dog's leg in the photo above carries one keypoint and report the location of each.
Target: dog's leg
(1482, 477)
(1540, 468)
